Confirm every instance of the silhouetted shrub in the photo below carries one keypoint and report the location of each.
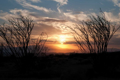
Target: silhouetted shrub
(17, 37)
(93, 35)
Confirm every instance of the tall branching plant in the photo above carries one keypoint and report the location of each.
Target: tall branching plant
(94, 35)
(17, 36)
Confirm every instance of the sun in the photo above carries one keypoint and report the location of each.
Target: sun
(62, 39)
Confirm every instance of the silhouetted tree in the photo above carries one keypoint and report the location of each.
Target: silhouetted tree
(94, 34)
(17, 36)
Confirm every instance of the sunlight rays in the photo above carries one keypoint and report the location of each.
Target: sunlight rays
(62, 39)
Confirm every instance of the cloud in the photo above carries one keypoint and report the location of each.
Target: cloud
(111, 17)
(60, 3)
(70, 42)
(74, 17)
(36, 1)
(15, 12)
(52, 20)
(21, 11)
(57, 23)
(116, 2)
(80, 16)
(49, 29)
(33, 15)
(26, 4)
(3, 15)
(42, 24)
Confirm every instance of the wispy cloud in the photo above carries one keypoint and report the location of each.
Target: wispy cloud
(3, 15)
(75, 17)
(42, 24)
(21, 11)
(26, 4)
(52, 20)
(70, 15)
(36, 1)
(116, 2)
(111, 17)
(60, 3)
(15, 13)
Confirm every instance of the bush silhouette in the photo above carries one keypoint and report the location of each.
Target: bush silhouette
(93, 35)
(17, 36)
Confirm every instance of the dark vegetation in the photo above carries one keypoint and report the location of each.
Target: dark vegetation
(24, 58)
(62, 67)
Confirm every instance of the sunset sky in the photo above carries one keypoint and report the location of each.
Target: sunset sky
(52, 17)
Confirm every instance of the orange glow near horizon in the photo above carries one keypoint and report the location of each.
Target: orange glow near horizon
(62, 48)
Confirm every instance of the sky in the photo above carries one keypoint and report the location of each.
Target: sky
(51, 16)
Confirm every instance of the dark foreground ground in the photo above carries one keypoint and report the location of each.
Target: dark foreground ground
(62, 67)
